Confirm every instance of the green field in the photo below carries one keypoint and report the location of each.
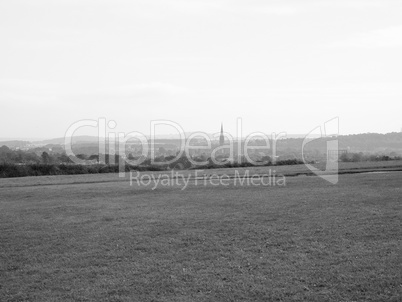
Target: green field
(96, 238)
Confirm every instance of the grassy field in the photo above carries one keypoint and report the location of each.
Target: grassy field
(96, 238)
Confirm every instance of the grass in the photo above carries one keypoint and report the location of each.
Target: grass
(99, 239)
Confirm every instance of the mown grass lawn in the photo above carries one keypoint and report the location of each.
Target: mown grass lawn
(308, 241)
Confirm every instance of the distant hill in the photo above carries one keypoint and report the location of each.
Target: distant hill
(60, 140)
(22, 144)
(366, 142)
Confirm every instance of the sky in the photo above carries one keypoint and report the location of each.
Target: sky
(280, 66)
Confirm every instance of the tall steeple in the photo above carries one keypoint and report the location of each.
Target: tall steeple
(221, 137)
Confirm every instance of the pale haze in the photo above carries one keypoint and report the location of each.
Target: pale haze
(279, 65)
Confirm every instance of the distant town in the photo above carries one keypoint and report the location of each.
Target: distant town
(164, 153)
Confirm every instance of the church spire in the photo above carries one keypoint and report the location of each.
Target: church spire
(221, 137)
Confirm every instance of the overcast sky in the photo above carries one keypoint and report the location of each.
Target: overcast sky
(279, 65)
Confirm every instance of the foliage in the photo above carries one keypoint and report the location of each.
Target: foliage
(13, 170)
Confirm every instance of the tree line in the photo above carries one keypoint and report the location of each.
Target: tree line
(18, 163)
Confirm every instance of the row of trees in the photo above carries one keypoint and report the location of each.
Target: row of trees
(358, 157)
(12, 170)
(17, 163)
(8, 156)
